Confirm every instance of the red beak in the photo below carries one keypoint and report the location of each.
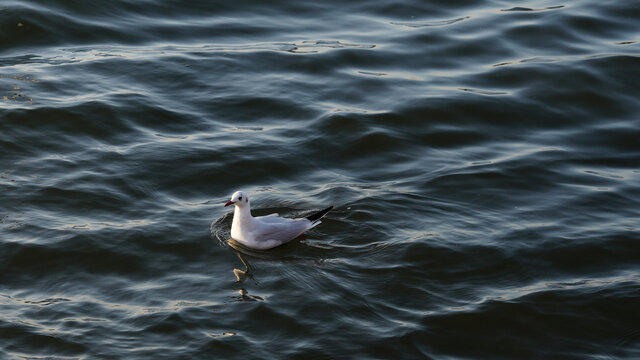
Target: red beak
(229, 203)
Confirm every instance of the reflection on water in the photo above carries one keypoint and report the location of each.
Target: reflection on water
(244, 296)
(242, 274)
(482, 157)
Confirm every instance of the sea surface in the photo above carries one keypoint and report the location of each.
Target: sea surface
(483, 158)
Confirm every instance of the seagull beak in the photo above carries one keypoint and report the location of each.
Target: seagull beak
(229, 203)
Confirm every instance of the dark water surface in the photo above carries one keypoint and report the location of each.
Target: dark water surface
(483, 158)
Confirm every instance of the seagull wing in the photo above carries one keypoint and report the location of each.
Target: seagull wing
(268, 218)
(280, 229)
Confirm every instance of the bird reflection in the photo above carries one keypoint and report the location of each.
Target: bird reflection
(241, 275)
(244, 296)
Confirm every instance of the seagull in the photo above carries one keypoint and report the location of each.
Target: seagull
(266, 232)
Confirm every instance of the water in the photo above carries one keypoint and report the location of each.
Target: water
(483, 158)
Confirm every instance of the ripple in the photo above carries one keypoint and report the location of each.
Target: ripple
(430, 23)
(482, 160)
(484, 92)
(519, 8)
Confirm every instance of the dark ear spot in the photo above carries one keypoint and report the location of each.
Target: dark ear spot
(246, 199)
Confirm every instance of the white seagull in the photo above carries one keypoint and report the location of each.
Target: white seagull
(266, 232)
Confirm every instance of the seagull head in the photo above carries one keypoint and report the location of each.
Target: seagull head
(238, 199)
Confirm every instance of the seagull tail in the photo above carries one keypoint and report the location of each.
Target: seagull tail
(317, 216)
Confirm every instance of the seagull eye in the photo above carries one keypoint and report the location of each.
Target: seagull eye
(240, 198)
